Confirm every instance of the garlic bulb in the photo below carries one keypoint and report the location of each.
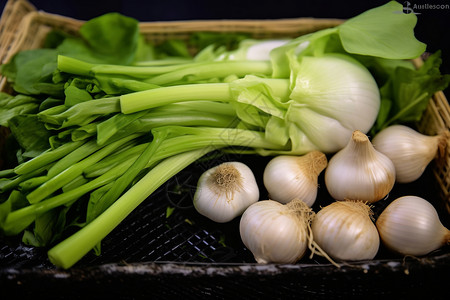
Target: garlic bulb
(359, 172)
(288, 177)
(225, 191)
(409, 150)
(345, 231)
(410, 225)
(275, 232)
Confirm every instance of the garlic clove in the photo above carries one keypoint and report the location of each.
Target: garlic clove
(345, 231)
(289, 177)
(410, 225)
(275, 232)
(225, 191)
(409, 150)
(358, 171)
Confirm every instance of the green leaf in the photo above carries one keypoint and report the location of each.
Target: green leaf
(54, 38)
(229, 41)
(30, 133)
(385, 108)
(30, 239)
(16, 200)
(174, 47)
(303, 45)
(11, 106)
(409, 91)
(75, 95)
(43, 230)
(48, 227)
(109, 38)
(382, 68)
(169, 211)
(49, 103)
(384, 31)
(144, 51)
(276, 131)
(31, 71)
(94, 207)
(81, 114)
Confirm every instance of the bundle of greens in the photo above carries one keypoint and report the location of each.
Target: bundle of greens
(99, 121)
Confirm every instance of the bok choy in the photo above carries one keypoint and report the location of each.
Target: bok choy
(113, 131)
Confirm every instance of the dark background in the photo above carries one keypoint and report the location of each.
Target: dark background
(432, 27)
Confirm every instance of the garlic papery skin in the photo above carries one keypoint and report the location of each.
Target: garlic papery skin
(358, 171)
(275, 232)
(289, 177)
(225, 191)
(345, 231)
(410, 225)
(409, 150)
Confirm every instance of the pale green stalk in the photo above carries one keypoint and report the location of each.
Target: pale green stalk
(72, 249)
(63, 178)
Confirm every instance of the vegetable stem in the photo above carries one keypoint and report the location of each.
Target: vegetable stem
(145, 121)
(72, 249)
(73, 171)
(112, 160)
(191, 138)
(80, 114)
(215, 69)
(47, 157)
(163, 61)
(15, 223)
(7, 184)
(212, 92)
(79, 67)
(134, 102)
(72, 158)
(172, 156)
(166, 74)
(129, 175)
(74, 66)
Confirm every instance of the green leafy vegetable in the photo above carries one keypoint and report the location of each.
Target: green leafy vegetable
(380, 32)
(31, 72)
(11, 106)
(407, 92)
(101, 120)
(110, 38)
(30, 133)
(361, 35)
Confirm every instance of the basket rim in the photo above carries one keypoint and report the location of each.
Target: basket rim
(175, 23)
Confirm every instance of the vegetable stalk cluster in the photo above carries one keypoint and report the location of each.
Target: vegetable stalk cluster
(96, 127)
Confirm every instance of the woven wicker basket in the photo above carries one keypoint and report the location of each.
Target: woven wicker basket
(22, 27)
(10, 20)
